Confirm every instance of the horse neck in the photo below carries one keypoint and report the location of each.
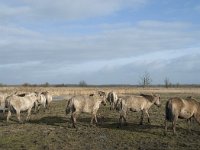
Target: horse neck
(149, 103)
(32, 97)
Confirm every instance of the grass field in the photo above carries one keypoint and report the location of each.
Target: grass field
(52, 129)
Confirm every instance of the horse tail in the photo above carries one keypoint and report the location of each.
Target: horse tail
(8, 104)
(47, 100)
(169, 111)
(70, 106)
(122, 103)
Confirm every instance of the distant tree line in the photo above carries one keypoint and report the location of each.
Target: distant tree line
(144, 81)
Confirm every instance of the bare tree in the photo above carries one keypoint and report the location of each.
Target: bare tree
(167, 82)
(82, 83)
(145, 80)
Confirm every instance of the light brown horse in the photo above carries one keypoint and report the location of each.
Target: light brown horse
(136, 103)
(19, 103)
(181, 108)
(112, 99)
(85, 104)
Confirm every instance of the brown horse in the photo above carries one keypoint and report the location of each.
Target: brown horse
(181, 108)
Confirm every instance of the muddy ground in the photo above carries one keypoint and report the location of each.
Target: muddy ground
(52, 130)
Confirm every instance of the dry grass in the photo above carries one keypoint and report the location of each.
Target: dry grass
(56, 91)
(52, 129)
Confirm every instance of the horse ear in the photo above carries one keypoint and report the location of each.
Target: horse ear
(101, 93)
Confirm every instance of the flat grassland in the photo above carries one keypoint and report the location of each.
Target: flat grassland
(52, 129)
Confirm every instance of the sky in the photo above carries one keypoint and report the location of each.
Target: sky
(99, 41)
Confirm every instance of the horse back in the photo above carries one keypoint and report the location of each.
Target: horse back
(21, 103)
(137, 103)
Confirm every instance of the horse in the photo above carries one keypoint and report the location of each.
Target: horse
(48, 98)
(181, 108)
(2, 102)
(41, 101)
(135, 103)
(19, 104)
(85, 104)
(112, 99)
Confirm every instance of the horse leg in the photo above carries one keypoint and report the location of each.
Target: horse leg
(124, 117)
(35, 107)
(8, 115)
(113, 106)
(141, 118)
(4, 112)
(174, 125)
(44, 105)
(38, 108)
(73, 124)
(189, 122)
(74, 119)
(91, 122)
(29, 113)
(95, 118)
(120, 121)
(165, 126)
(18, 115)
(148, 116)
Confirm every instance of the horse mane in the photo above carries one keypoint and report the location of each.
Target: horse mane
(148, 97)
(44, 92)
(190, 98)
(21, 95)
(91, 94)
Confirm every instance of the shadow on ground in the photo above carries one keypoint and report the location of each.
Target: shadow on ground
(50, 120)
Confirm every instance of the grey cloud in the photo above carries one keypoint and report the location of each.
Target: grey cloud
(59, 57)
(181, 69)
(66, 9)
(7, 11)
(121, 42)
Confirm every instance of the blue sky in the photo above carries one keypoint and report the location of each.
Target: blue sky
(99, 41)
